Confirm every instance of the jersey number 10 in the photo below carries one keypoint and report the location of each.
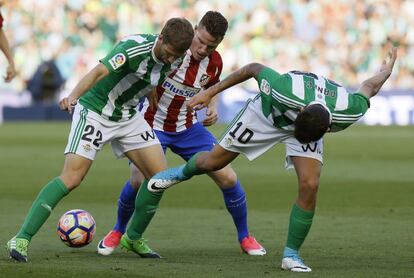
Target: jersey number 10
(244, 136)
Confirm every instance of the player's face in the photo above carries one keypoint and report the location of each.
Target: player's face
(203, 43)
(166, 53)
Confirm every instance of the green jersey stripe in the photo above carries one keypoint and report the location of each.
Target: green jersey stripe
(129, 98)
(78, 130)
(286, 100)
(309, 84)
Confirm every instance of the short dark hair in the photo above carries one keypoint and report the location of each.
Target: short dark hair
(312, 123)
(215, 23)
(179, 33)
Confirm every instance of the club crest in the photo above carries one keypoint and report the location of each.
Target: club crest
(265, 87)
(204, 79)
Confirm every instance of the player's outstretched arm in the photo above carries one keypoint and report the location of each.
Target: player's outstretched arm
(372, 85)
(89, 80)
(246, 72)
(5, 47)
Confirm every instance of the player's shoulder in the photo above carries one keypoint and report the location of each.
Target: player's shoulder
(138, 40)
(215, 59)
(136, 45)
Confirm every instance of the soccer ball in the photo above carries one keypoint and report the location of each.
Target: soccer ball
(76, 228)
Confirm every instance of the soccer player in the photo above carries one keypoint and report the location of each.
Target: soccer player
(177, 128)
(5, 48)
(105, 112)
(297, 109)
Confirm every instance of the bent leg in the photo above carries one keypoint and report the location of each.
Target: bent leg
(126, 207)
(211, 161)
(74, 170)
(204, 162)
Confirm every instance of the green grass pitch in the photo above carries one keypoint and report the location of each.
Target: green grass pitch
(363, 227)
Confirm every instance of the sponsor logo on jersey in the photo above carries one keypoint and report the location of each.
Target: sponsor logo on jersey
(325, 91)
(179, 89)
(204, 79)
(87, 147)
(148, 134)
(117, 61)
(228, 141)
(312, 147)
(265, 87)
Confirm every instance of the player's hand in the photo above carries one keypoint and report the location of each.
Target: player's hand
(387, 67)
(211, 116)
(10, 73)
(384, 72)
(372, 85)
(199, 101)
(67, 103)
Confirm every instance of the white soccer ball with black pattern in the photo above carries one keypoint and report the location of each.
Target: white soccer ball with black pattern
(76, 228)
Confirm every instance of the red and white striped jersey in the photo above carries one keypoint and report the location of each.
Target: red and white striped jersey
(171, 113)
(1, 21)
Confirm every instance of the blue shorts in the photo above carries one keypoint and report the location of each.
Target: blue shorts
(188, 142)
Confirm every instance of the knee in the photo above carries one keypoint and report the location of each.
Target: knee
(225, 178)
(228, 178)
(135, 183)
(209, 166)
(309, 185)
(136, 180)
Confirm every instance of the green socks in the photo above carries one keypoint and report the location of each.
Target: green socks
(190, 169)
(146, 204)
(299, 226)
(46, 200)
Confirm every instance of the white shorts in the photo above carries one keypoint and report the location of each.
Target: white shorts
(90, 132)
(252, 134)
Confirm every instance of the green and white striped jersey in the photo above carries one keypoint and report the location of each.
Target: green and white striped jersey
(283, 95)
(134, 71)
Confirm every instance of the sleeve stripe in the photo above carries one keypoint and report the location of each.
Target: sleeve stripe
(345, 121)
(284, 99)
(339, 116)
(139, 53)
(137, 48)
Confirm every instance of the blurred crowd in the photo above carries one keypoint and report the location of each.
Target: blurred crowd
(56, 42)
